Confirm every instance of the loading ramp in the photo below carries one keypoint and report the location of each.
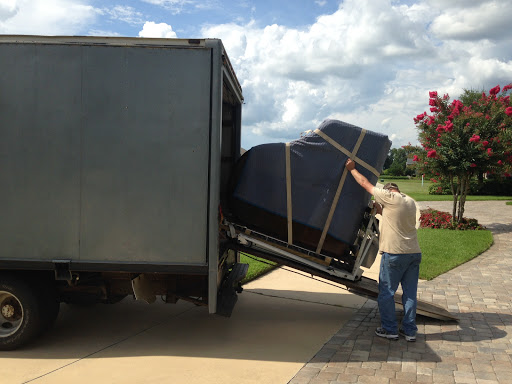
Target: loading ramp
(365, 249)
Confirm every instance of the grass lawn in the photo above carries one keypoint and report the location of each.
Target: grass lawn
(419, 192)
(445, 249)
(257, 266)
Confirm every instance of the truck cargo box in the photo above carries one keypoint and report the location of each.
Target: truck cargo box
(115, 154)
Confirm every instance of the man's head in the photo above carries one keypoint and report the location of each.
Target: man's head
(391, 187)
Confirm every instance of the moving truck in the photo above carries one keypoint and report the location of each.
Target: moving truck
(115, 156)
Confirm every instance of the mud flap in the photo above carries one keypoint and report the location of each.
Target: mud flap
(227, 295)
(143, 289)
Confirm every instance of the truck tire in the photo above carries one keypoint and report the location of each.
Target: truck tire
(20, 312)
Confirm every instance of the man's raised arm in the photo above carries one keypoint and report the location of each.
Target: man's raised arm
(360, 179)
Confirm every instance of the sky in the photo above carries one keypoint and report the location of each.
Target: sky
(370, 63)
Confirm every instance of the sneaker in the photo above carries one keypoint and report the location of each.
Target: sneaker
(381, 332)
(407, 337)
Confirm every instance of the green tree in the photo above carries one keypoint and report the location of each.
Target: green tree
(466, 137)
(398, 165)
(389, 160)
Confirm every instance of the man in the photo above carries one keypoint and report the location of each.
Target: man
(401, 256)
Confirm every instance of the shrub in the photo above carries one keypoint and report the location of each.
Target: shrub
(489, 187)
(431, 218)
(439, 187)
(493, 187)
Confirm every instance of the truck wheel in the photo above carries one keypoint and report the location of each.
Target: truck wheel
(20, 319)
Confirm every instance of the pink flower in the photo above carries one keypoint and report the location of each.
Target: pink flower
(508, 111)
(457, 106)
(420, 117)
(500, 162)
(489, 151)
(432, 102)
(432, 154)
(475, 139)
(435, 109)
(432, 94)
(449, 126)
(440, 128)
(495, 90)
(415, 158)
(473, 165)
(507, 87)
(485, 143)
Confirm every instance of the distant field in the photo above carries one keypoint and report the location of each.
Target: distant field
(419, 192)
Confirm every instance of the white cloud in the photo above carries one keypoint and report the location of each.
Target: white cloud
(8, 8)
(49, 17)
(370, 63)
(466, 20)
(125, 14)
(152, 29)
(293, 79)
(174, 6)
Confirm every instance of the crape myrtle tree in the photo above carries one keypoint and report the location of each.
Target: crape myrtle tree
(464, 138)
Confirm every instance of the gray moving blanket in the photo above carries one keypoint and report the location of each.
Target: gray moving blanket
(262, 199)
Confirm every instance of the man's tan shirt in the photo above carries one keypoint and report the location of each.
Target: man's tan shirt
(398, 225)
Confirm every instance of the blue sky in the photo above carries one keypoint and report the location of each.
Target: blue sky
(367, 62)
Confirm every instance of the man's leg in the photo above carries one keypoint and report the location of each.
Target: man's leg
(389, 278)
(409, 297)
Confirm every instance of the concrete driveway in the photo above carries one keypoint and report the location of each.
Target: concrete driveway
(280, 321)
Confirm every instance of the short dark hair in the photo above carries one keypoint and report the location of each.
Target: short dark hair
(389, 186)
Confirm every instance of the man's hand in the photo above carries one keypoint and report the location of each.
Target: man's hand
(350, 165)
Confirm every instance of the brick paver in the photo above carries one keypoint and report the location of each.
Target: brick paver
(476, 349)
